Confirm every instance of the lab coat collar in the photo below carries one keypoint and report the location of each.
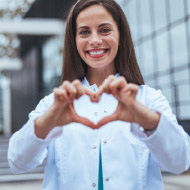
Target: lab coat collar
(94, 87)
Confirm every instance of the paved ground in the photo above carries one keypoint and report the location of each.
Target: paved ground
(171, 182)
(31, 185)
(181, 182)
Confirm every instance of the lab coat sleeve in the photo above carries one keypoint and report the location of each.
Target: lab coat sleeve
(169, 144)
(26, 151)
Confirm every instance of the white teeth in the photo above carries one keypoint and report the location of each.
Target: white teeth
(96, 52)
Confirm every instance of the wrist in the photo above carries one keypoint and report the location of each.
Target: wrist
(44, 124)
(146, 117)
(151, 122)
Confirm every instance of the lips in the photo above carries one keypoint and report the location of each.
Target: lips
(97, 53)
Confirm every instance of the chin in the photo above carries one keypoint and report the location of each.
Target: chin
(97, 65)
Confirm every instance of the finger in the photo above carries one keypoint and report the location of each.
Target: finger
(77, 84)
(84, 121)
(91, 94)
(70, 90)
(61, 94)
(81, 90)
(117, 85)
(106, 120)
(104, 88)
(131, 89)
(110, 78)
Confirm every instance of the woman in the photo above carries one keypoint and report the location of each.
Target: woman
(102, 128)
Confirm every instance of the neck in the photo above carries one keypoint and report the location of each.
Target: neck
(97, 76)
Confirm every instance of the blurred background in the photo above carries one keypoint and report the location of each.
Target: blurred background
(31, 42)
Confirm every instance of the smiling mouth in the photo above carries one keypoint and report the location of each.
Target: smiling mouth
(97, 53)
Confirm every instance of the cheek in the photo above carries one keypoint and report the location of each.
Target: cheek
(114, 42)
(80, 43)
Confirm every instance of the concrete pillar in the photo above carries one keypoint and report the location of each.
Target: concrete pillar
(6, 105)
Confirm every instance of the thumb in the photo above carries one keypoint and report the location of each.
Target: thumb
(84, 121)
(106, 120)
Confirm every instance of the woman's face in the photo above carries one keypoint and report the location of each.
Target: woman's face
(97, 37)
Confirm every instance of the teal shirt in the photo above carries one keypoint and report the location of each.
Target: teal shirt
(100, 176)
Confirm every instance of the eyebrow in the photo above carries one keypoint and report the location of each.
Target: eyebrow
(104, 24)
(86, 27)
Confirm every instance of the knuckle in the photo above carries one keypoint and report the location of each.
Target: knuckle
(122, 78)
(66, 83)
(111, 78)
(111, 85)
(76, 82)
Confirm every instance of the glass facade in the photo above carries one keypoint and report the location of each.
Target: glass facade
(161, 34)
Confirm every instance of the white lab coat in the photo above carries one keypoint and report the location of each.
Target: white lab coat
(130, 159)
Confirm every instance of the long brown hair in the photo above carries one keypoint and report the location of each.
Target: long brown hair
(125, 62)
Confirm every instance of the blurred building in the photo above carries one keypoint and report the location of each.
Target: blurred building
(11, 10)
(40, 52)
(161, 34)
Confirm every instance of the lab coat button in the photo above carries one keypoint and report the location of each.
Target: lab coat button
(94, 146)
(96, 113)
(105, 111)
(93, 184)
(107, 179)
(105, 142)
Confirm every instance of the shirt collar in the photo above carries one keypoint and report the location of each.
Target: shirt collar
(93, 87)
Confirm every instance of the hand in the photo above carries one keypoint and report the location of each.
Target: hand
(64, 97)
(62, 111)
(129, 108)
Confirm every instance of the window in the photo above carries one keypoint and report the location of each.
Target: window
(161, 44)
(162, 52)
(145, 18)
(176, 10)
(160, 14)
(148, 61)
(179, 49)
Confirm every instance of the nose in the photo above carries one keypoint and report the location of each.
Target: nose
(95, 39)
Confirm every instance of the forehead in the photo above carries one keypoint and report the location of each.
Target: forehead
(94, 14)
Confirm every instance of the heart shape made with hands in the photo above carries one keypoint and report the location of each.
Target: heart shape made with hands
(69, 93)
(119, 109)
(89, 105)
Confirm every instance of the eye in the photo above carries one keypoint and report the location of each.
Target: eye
(84, 32)
(105, 30)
